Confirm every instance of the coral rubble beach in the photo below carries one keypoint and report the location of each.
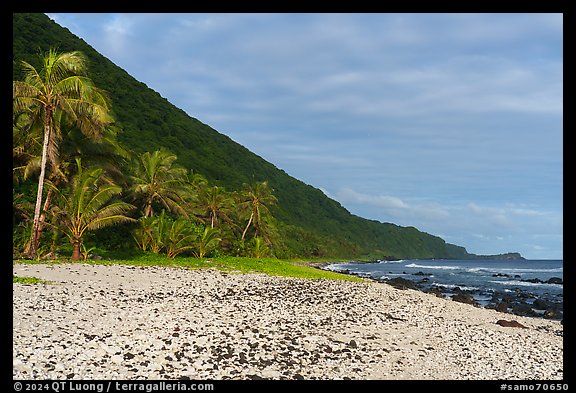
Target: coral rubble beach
(127, 322)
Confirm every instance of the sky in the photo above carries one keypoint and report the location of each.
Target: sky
(451, 123)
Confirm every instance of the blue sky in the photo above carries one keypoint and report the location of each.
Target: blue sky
(452, 123)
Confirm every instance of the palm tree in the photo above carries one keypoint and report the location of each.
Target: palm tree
(155, 179)
(60, 89)
(216, 204)
(104, 153)
(87, 206)
(259, 248)
(180, 236)
(207, 242)
(257, 198)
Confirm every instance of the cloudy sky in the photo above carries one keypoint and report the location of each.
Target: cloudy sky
(451, 123)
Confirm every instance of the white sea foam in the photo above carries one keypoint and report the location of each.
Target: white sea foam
(527, 284)
(398, 261)
(434, 267)
(335, 267)
(452, 286)
(526, 270)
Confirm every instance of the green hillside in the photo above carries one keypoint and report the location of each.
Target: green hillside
(311, 224)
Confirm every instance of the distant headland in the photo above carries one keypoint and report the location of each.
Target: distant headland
(507, 256)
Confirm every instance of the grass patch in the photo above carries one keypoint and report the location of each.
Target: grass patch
(269, 266)
(28, 280)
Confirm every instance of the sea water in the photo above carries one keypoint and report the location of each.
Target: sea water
(482, 278)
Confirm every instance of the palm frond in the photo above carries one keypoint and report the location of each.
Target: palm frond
(106, 221)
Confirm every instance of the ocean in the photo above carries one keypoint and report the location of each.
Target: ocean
(530, 287)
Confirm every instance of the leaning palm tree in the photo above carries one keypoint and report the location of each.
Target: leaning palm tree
(257, 198)
(87, 206)
(156, 180)
(59, 89)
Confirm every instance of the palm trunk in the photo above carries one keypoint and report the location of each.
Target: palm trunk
(33, 252)
(247, 226)
(148, 209)
(213, 220)
(47, 202)
(76, 250)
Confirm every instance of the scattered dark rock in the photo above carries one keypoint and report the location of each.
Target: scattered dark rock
(421, 274)
(242, 357)
(353, 344)
(436, 292)
(524, 309)
(553, 313)
(555, 280)
(510, 323)
(390, 316)
(463, 297)
(501, 275)
(540, 304)
(502, 307)
(533, 280)
(402, 283)
(254, 376)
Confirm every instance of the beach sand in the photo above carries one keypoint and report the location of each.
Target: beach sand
(126, 322)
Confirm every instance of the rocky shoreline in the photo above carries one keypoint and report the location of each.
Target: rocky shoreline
(137, 323)
(519, 302)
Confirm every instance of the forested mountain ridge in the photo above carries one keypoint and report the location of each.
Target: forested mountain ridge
(311, 224)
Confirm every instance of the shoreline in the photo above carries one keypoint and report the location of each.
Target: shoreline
(167, 323)
(513, 303)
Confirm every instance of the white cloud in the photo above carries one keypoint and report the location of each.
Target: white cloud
(481, 229)
(393, 208)
(405, 118)
(117, 33)
(347, 195)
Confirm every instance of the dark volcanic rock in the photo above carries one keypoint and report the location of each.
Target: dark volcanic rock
(522, 308)
(510, 323)
(502, 307)
(553, 313)
(463, 297)
(402, 283)
(555, 280)
(533, 280)
(541, 304)
(436, 292)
